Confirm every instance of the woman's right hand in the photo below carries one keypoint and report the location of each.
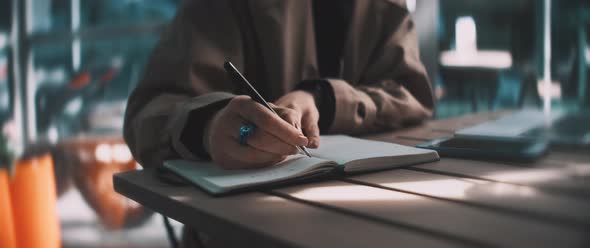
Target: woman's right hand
(272, 140)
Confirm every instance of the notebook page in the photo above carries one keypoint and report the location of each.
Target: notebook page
(345, 149)
(217, 180)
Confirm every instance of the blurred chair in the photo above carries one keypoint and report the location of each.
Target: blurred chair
(469, 73)
(91, 162)
(477, 85)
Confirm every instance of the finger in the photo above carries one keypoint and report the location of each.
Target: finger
(269, 143)
(274, 106)
(249, 157)
(262, 140)
(291, 116)
(266, 120)
(311, 130)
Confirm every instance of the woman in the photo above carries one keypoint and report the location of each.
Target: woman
(329, 67)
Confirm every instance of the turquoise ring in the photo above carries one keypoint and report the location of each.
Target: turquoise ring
(246, 130)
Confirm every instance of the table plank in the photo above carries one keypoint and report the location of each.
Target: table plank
(261, 220)
(570, 162)
(475, 225)
(407, 141)
(456, 123)
(570, 180)
(420, 134)
(519, 201)
(568, 156)
(556, 157)
(435, 129)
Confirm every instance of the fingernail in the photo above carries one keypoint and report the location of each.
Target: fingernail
(314, 143)
(303, 140)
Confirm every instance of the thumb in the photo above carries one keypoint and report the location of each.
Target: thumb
(311, 130)
(290, 116)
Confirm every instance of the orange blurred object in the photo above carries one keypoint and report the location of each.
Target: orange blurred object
(108, 76)
(98, 158)
(7, 237)
(33, 196)
(110, 206)
(80, 80)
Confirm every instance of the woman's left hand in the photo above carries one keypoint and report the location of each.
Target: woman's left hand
(304, 114)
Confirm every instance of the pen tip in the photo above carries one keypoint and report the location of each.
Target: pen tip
(305, 151)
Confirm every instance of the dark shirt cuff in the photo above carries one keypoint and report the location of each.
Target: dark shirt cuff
(325, 100)
(194, 129)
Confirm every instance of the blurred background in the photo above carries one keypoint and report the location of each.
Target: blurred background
(68, 66)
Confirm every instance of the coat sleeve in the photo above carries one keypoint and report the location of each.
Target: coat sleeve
(168, 92)
(395, 90)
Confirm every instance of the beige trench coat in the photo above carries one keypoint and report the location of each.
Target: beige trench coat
(273, 42)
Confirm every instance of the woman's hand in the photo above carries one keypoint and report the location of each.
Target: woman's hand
(306, 114)
(272, 140)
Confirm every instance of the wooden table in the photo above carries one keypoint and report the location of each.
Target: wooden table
(449, 203)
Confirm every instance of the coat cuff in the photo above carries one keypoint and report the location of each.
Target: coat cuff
(355, 110)
(200, 104)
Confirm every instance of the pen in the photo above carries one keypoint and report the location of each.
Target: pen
(253, 93)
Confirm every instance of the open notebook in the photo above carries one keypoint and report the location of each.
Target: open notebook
(336, 154)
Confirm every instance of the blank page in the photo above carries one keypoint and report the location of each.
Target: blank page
(370, 154)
